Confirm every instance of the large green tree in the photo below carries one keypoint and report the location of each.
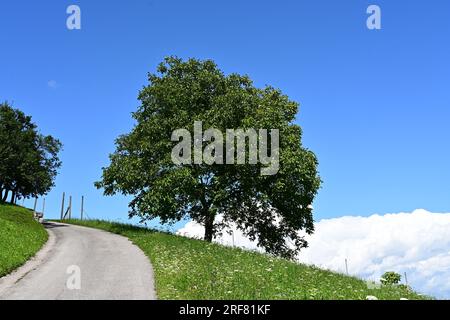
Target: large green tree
(28, 160)
(271, 209)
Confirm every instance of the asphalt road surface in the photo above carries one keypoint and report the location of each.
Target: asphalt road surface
(82, 263)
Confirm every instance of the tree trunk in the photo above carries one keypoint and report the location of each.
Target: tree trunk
(209, 227)
(13, 197)
(5, 196)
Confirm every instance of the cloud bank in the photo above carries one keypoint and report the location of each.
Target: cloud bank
(416, 243)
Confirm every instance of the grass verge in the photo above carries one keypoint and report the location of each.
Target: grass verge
(192, 269)
(20, 237)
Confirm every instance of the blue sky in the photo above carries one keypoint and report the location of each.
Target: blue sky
(375, 105)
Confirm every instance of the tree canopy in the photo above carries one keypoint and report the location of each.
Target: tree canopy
(28, 160)
(271, 208)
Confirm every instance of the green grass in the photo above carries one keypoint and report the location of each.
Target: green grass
(20, 237)
(193, 269)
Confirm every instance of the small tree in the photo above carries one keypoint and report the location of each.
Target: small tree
(390, 278)
(28, 160)
(271, 208)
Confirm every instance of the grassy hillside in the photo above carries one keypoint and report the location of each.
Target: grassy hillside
(192, 269)
(20, 237)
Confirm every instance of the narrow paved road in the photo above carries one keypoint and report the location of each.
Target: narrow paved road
(110, 266)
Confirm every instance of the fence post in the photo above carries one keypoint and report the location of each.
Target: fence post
(232, 237)
(82, 207)
(62, 206)
(70, 207)
(346, 266)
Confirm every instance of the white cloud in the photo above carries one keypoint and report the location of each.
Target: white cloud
(417, 243)
(52, 84)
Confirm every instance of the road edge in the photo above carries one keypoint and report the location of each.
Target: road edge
(12, 278)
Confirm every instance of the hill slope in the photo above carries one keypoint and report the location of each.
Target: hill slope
(20, 237)
(193, 269)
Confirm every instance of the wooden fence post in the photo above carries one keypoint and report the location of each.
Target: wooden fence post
(62, 206)
(82, 207)
(70, 207)
(346, 266)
